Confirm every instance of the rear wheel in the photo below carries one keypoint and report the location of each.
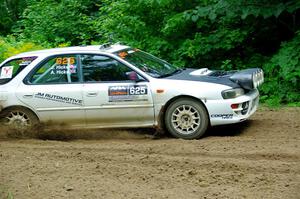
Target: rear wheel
(19, 118)
(186, 118)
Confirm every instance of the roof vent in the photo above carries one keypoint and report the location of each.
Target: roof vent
(104, 46)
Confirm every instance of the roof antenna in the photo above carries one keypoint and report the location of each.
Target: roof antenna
(111, 38)
(107, 45)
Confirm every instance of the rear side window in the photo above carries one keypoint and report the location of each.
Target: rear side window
(12, 68)
(57, 70)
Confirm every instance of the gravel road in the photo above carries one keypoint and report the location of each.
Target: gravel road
(259, 158)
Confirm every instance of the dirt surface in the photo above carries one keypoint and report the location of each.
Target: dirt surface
(259, 158)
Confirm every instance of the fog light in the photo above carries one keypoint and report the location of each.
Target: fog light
(245, 107)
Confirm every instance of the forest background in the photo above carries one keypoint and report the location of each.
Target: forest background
(217, 34)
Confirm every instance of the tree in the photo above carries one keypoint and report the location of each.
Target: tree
(57, 22)
(219, 34)
(10, 11)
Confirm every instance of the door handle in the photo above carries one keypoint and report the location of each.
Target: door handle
(28, 96)
(92, 94)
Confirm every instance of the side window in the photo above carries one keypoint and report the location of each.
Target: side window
(98, 68)
(60, 69)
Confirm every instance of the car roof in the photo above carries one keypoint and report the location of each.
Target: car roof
(108, 48)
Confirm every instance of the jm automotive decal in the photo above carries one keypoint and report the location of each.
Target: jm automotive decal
(57, 98)
(127, 93)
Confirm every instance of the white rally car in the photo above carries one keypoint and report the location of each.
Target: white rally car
(118, 86)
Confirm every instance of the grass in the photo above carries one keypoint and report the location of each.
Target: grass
(5, 193)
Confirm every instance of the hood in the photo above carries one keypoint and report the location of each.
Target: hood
(203, 75)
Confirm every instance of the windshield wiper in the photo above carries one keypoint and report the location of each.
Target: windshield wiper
(177, 71)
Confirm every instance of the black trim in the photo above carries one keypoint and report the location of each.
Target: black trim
(185, 75)
(79, 69)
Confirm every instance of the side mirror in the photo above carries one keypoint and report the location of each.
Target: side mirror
(134, 76)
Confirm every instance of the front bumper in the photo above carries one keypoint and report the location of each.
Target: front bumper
(229, 111)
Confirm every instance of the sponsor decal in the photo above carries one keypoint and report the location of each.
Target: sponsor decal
(26, 61)
(123, 55)
(6, 72)
(127, 93)
(64, 65)
(65, 60)
(62, 70)
(222, 116)
(57, 98)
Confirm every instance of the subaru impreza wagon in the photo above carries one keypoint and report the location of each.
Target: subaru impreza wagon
(111, 86)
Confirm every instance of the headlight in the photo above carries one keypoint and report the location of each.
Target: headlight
(232, 93)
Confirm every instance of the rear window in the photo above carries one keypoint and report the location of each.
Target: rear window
(12, 68)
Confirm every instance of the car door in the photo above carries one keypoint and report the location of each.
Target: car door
(111, 98)
(54, 91)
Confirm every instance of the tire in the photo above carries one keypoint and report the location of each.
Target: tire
(186, 118)
(19, 118)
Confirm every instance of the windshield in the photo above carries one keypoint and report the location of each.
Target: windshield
(151, 65)
(12, 68)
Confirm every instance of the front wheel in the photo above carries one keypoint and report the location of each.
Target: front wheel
(186, 118)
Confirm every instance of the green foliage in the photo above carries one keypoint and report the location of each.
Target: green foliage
(5, 193)
(10, 47)
(56, 22)
(226, 34)
(10, 11)
(283, 74)
(228, 9)
(218, 34)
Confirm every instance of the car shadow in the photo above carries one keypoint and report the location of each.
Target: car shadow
(215, 131)
(229, 129)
